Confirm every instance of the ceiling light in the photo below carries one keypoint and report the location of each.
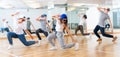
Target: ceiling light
(77, 4)
(50, 5)
(5, 5)
(71, 9)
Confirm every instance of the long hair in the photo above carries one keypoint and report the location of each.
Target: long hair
(64, 22)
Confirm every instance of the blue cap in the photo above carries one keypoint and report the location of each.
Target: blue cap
(63, 16)
(44, 15)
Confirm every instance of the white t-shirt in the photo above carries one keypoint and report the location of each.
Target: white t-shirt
(59, 27)
(15, 18)
(82, 21)
(19, 28)
(5, 24)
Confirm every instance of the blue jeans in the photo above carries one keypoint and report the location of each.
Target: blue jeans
(102, 30)
(5, 29)
(21, 37)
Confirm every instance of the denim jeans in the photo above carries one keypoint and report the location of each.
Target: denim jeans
(21, 37)
(5, 29)
(41, 31)
(102, 30)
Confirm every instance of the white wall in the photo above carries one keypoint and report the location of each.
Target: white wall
(116, 3)
(32, 13)
(92, 17)
(55, 11)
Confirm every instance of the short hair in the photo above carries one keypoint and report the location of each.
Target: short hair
(108, 9)
(28, 18)
(24, 17)
(44, 15)
(85, 16)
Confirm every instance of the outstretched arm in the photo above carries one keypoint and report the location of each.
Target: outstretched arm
(48, 26)
(39, 18)
(15, 14)
(70, 34)
(101, 9)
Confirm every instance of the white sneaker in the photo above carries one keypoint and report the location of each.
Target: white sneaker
(39, 42)
(75, 36)
(90, 36)
(10, 47)
(76, 46)
(53, 48)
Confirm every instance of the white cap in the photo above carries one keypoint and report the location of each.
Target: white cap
(21, 16)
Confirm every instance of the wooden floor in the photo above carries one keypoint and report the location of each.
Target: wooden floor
(88, 47)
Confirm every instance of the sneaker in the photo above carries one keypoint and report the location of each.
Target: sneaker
(99, 39)
(10, 47)
(76, 46)
(90, 35)
(114, 39)
(53, 48)
(75, 36)
(39, 42)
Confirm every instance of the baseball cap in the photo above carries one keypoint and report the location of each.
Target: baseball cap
(44, 15)
(63, 16)
(20, 16)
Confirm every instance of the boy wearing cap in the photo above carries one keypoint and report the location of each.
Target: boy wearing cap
(43, 27)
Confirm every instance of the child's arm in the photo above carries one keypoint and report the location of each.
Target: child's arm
(70, 34)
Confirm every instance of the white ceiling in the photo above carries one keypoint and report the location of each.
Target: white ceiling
(43, 3)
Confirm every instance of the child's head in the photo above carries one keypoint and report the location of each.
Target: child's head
(28, 18)
(44, 15)
(106, 10)
(85, 16)
(20, 20)
(63, 18)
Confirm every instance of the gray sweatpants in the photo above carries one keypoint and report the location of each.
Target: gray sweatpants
(60, 37)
